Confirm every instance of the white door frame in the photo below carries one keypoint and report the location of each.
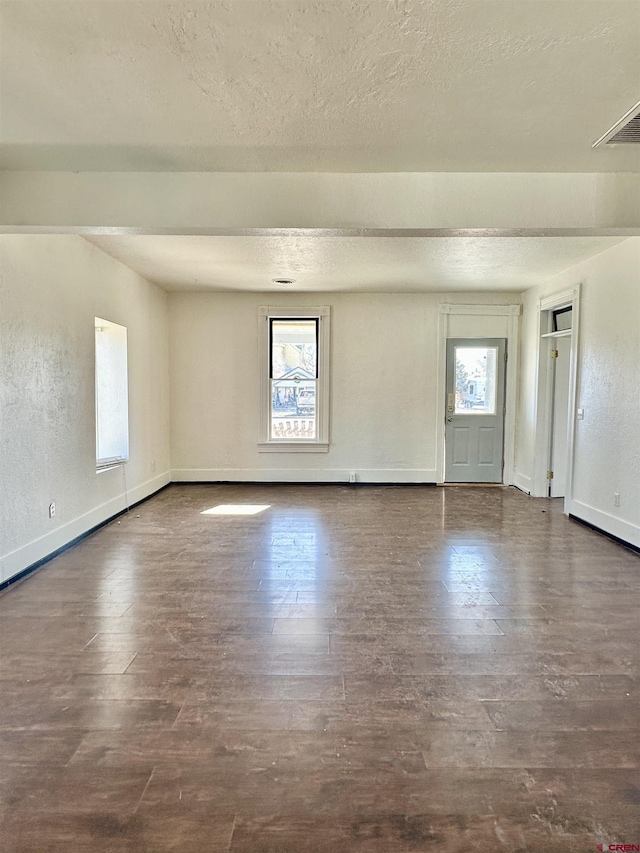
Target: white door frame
(544, 392)
(512, 312)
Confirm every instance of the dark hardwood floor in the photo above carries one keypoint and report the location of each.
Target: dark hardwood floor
(352, 669)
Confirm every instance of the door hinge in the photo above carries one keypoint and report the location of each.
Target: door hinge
(506, 356)
(554, 353)
(549, 475)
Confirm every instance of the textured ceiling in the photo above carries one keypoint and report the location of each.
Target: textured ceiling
(295, 85)
(330, 263)
(327, 86)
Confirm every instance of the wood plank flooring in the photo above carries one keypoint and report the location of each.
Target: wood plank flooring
(352, 669)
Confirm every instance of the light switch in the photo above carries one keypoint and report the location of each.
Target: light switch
(580, 414)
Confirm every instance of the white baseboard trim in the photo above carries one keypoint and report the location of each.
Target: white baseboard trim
(617, 527)
(39, 549)
(303, 475)
(522, 482)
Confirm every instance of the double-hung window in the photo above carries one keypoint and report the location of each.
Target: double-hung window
(294, 348)
(112, 403)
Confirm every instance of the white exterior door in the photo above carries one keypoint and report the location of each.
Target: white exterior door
(474, 410)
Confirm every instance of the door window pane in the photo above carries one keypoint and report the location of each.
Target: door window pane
(476, 380)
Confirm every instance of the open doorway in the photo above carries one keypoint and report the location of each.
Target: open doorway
(556, 395)
(561, 360)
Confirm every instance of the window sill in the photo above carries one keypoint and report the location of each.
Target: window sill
(109, 466)
(293, 447)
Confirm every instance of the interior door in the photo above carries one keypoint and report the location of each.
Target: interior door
(560, 417)
(474, 428)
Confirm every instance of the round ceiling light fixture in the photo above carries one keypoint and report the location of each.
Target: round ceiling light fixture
(283, 281)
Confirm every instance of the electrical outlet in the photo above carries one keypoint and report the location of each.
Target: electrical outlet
(52, 509)
(352, 476)
(616, 498)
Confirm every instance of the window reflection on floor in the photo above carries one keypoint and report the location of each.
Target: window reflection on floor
(236, 509)
(118, 587)
(294, 575)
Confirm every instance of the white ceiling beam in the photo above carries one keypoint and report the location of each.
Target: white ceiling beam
(230, 202)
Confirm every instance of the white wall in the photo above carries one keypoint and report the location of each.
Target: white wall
(607, 446)
(51, 289)
(384, 386)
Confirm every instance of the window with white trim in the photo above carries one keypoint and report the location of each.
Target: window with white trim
(294, 355)
(112, 396)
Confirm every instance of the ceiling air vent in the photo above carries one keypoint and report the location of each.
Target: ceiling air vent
(626, 131)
